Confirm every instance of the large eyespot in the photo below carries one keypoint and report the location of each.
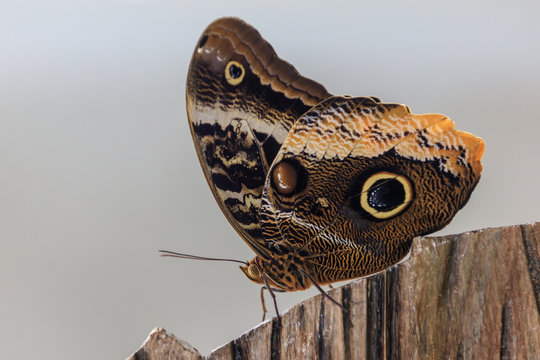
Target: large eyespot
(288, 177)
(385, 194)
(234, 73)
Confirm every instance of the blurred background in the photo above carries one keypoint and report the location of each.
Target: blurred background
(98, 169)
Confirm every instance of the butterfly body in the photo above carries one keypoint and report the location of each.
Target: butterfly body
(322, 188)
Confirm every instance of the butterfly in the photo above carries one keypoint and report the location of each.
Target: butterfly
(322, 188)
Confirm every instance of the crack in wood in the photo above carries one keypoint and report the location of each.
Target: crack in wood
(346, 320)
(533, 264)
(320, 332)
(505, 348)
(392, 305)
(374, 317)
(237, 350)
(450, 265)
(275, 340)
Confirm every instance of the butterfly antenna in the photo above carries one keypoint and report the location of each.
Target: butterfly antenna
(166, 253)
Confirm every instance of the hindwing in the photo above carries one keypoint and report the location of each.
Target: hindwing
(366, 178)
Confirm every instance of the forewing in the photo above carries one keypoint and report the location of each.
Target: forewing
(241, 101)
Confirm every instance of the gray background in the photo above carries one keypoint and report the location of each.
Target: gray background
(98, 169)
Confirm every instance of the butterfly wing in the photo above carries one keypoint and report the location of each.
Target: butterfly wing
(367, 177)
(241, 101)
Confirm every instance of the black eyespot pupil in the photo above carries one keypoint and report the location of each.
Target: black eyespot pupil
(235, 71)
(386, 194)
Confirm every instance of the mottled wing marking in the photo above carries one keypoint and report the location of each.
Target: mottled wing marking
(244, 127)
(343, 140)
(264, 62)
(362, 128)
(238, 130)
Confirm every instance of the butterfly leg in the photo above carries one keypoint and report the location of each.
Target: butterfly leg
(263, 303)
(271, 294)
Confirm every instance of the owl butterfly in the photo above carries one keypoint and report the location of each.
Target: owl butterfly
(322, 188)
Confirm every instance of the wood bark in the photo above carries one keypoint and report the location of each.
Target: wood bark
(474, 295)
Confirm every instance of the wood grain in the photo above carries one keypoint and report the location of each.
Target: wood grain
(469, 296)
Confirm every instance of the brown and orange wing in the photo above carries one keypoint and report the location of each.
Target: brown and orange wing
(368, 178)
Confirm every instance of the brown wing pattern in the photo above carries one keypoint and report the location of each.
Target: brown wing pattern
(322, 188)
(242, 99)
(419, 161)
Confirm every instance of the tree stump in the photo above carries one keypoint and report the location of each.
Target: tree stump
(474, 295)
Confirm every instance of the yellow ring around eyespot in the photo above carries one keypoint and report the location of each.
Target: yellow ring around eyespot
(383, 175)
(229, 78)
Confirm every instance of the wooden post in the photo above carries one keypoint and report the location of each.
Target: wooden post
(469, 296)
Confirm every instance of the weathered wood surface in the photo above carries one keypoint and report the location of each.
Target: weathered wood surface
(470, 296)
(160, 345)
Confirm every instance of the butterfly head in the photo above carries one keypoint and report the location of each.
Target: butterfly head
(253, 271)
(284, 273)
